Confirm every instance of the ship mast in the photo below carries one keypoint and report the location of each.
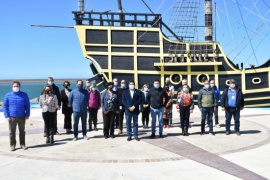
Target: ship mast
(208, 20)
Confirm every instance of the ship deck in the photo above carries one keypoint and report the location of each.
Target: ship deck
(194, 157)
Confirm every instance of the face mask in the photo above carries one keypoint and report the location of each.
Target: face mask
(232, 85)
(145, 89)
(87, 84)
(115, 83)
(50, 83)
(79, 87)
(185, 89)
(167, 89)
(156, 86)
(212, 85)
(48, 91)
(206, 86)
(93, 89)
(15, 89)
(66, 86)
(123, 85)
(132, 86)
(110, 88)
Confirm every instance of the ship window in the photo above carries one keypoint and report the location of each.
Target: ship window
(256, 80)
(227, 82)
(176, 78)
(201, 78)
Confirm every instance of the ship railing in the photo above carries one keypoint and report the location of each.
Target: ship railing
(117, 19)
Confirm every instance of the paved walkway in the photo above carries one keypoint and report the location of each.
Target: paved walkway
(172, 157)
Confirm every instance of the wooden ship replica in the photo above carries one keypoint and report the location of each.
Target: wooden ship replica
(132, 46)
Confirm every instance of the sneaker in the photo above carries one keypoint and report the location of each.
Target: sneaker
(75, 139)
(24, 147)
(217, 125)
(160, 136)
(202, 133)
(86, 138)
(237, 133)
(12, 148)
(206, 126)
(227, 133)
(212, 133)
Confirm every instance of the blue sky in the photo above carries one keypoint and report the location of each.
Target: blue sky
(35, 53)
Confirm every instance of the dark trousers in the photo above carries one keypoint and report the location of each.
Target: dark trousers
(12, 130)
(207, 112)
(145, 116)
(67, 120)
(184, 116)
(92, 117)
(121, 118)
(109, 119)
(216, 116)
(49, 121)
(236, 116)
(55, 124)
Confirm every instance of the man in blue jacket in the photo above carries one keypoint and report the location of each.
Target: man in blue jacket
(232, 102)
(16, 111)
(131, 100)
(78, 99)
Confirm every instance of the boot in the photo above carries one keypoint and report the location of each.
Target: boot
(183, 131)
(51, 139)
(186, 132)
(47, 139)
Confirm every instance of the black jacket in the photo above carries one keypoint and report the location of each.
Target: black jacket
(64, 100)
(155, 97)
(239, 98)
(144, 101)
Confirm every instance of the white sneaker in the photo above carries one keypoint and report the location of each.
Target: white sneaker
(86, 138)
(75, 139)
(206, 125)
(217, 125)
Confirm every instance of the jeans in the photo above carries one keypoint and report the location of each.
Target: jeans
(133, 116)
(154, 114)
(209, 113)
(76, 117)
(184, 116)
(12, 130)
(236, 116)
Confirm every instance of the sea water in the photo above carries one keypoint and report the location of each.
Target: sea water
(32, 89)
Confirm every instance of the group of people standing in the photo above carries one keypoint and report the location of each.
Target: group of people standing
(116, 101)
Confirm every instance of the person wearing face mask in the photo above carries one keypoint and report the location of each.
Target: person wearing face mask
(110, 106)
(207, 105)
(115, 84)
(48, 103)
(87, 85)
(158, 99)
(78, 99)
(185, 106)
(93, 106)
(184, 82)
(167, 108)
(171, 88)
(232, 102)
(66, 110)
(145, 106)
(16, 107)
(120, 117)
(56, 91)
(132, 100)
(216, 89)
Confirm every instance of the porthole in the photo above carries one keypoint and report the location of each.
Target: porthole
(256, 80)
(176, 78)
(201, 78)
(227, 82)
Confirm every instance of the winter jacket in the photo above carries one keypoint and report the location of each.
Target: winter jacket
(155, 97)
(239, 98)
(51, 105)
(16, 104)
(78, 99)
(207, 98)
(94, 100)
(109, 104)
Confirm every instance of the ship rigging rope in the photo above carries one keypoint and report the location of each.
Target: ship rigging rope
(156, 21)
(228, 20)
(247, 31)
